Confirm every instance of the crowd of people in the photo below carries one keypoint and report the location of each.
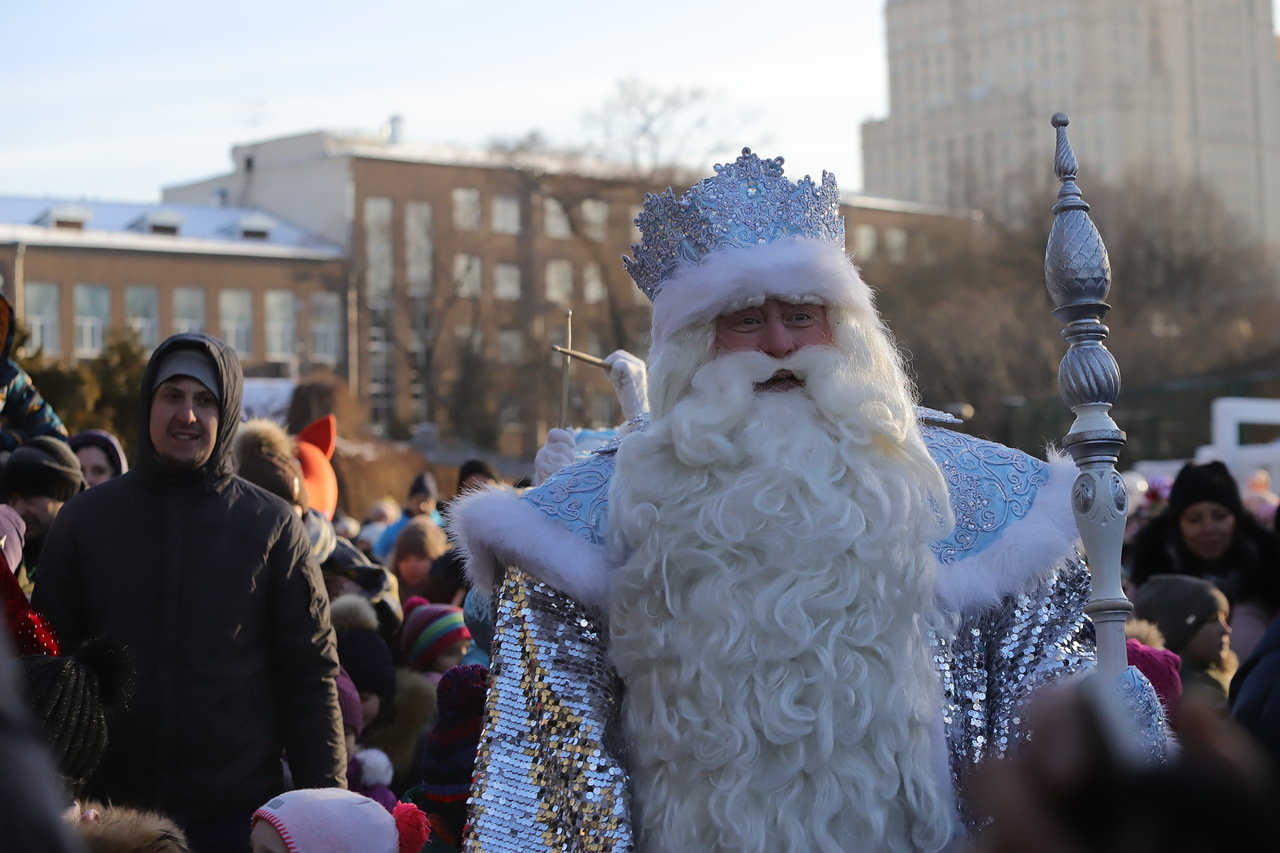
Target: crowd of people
(784, 608)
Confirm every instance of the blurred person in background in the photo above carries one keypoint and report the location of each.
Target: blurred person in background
(101, 455)
(1205, 531)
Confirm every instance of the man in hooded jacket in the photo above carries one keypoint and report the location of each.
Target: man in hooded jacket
(208, 583)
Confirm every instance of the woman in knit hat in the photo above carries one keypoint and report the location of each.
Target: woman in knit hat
(101, 455)
(1205, 532)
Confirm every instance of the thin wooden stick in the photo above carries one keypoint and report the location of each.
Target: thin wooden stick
(581, 356)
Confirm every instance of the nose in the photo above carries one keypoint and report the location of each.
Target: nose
(776, 339)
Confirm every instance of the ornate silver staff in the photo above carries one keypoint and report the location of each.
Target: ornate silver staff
(1078, 277)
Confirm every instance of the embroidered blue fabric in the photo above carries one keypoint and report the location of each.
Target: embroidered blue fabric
(577, 497)
(991, 486)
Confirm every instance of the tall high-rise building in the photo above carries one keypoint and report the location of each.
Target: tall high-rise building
(1159, 90)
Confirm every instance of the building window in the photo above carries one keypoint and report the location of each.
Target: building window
(555, 219)
(93, 313)
(419, 248)
(42, 319)
(593, 291)
(378, 257)
(560, 281)
(506, 214)
(281, 325)
(510, 346)
(895, 244)
(188, 310)
(864, 242)
(506, 282)
(235, 314)
(326, 327)
(466, 276)
(142, 312)
(595, 219)
(466, 209)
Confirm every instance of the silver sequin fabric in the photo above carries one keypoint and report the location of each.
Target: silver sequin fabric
(550, 776)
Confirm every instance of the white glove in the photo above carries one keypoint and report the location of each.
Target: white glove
(554, 455)
(630, 382)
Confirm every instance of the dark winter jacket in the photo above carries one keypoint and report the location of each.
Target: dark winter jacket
(24, 414)
(209, 584)
(1255, 692)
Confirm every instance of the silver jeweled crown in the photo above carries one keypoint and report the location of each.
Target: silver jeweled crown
(749, 202)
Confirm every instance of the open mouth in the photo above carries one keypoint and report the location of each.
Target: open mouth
(783, 380)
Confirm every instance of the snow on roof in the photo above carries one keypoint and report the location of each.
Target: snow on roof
(133, 225)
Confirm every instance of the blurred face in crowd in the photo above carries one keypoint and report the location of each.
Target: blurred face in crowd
(413, 569)
(97, 468)
(777, 329)
(38, 512)
(1209, 644)
(184, 422)
(1208, 529)
(421, 503)
(450, 658)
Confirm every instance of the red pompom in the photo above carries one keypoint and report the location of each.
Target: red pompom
(412, 826)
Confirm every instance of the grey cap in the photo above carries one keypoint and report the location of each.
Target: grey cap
(188, 362)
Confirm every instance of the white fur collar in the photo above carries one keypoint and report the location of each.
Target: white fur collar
(496, 529)
(1028, 550)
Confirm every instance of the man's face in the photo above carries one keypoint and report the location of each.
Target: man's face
(184, 422)
(775, 328)
(38, 512)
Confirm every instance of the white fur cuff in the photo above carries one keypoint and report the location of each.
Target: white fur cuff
(496, 529)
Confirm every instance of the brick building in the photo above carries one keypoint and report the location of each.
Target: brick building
(76, 271)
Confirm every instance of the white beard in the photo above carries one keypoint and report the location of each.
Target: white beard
(768, 620)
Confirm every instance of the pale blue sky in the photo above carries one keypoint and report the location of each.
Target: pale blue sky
(114, 100)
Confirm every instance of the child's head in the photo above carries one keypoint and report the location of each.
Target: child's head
(434, 637)
(417, 546)
(1190, 612)
(334, 820)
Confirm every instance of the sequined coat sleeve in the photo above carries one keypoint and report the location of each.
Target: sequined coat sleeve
(1001, 655)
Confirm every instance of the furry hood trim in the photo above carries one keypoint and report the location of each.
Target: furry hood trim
(496, 529)
(796, 270)
(353, 611)
(1027, 551)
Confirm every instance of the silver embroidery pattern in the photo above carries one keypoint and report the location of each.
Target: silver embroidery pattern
(991, 487)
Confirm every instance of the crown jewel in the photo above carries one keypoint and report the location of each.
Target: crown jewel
(747, 203)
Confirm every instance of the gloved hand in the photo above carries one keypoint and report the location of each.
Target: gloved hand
(630, 382)
(554, 455)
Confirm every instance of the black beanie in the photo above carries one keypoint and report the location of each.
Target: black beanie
(1211, 482)
(44, 467)
(69, 696)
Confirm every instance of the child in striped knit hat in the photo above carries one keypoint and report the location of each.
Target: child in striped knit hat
(434, 637)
